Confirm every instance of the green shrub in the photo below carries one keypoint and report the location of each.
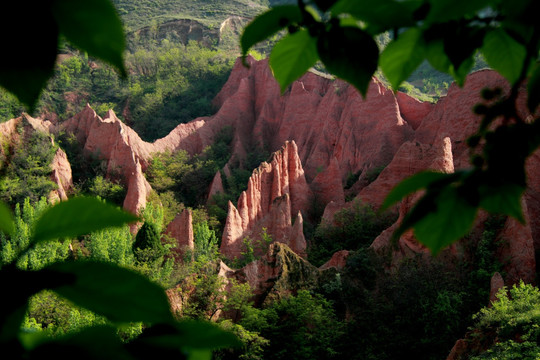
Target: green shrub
(352, 229)
(511, 325)
(147, 246)
(27, 174)
(298, 327)
(106, 189)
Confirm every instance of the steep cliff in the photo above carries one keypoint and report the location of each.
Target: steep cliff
(276, 190)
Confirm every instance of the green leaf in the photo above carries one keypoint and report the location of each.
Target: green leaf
(402, 56)
(78, 216)
(437, 57)
(414, 183)
(533, 89)
(351, 54)
(119, 294)
(200, 355)
(381, 15)
(15, 305)
(292, 56)
(504, 54)
(504, 199)
(189, 334)
(324, 5)
(7, 222)
(196, 338)
(267, 24)
(460, 74)
(98, 342)
(460, 45)
(446, 10)
(451, 219)
(93, 26)
(29, 50)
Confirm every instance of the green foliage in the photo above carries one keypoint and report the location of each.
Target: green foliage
(298, 327)
(13, 246)
(511, 324)
(111, 245)
(28, 171)
(188, 178)
(205, 242)
(298, 49)
(353, 229)
(253, 249)
(484, 262)
(147, 245)
(421, 305)
(118, 294)
(107, 189)
(93, 26)
(56, 315)
(213, 13)
(172, 84)
(511, 350)
(253, 344)
(78, 216)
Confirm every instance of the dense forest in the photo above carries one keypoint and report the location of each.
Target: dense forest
(365, 311)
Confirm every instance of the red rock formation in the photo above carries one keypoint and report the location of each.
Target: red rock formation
(440, 144)
(275, 191)
(412, 110)
(517, 250)
(61, 175)
(411, 158)
(277, 274)
(497, 283)
(216, 186)
(337, 261)
(181, 229)
(327, 185)
(332, 128)
(297, 240)
(137, 190)
(327, 119)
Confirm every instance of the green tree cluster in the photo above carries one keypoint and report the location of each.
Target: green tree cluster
(352, 229)
(26, 172)
(510, 326)
(297, 327)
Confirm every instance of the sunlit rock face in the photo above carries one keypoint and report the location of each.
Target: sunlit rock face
(181, 231)
(276, 190)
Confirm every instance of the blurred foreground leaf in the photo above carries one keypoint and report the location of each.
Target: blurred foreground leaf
(119, 294)
(78, 216)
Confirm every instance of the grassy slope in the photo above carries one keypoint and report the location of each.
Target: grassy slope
(137, 14)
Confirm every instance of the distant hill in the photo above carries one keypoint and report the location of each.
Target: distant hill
(140, 13)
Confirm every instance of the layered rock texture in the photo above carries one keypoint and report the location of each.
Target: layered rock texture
(181, 230)
(276, 191)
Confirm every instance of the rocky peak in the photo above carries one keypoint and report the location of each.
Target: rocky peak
(275, 191)
(280, 272)
(61, 175)
(181, 230)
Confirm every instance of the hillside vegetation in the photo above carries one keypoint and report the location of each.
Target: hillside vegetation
(137, 14)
